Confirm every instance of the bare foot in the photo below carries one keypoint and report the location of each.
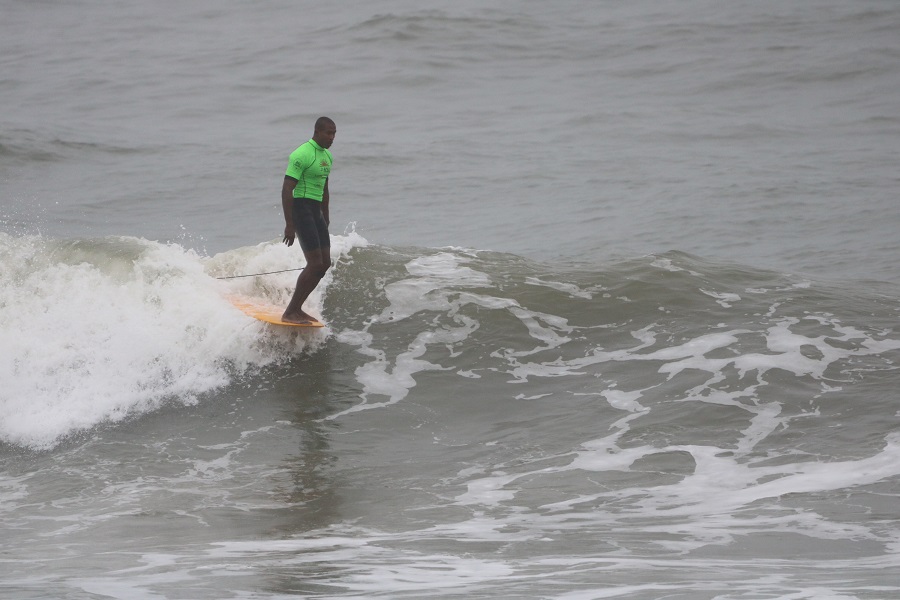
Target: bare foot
(300, 318)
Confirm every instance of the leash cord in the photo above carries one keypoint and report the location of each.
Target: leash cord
(258, 274)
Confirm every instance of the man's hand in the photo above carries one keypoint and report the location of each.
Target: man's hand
(289, 235)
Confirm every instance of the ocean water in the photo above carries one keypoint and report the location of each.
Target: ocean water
(613, 312)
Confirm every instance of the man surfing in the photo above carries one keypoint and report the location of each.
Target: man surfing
(304, 199)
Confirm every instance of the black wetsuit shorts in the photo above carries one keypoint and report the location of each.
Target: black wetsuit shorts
(310, 225)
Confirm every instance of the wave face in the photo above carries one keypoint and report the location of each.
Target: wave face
(467, 420)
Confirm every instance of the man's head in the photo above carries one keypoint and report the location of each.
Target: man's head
(324, 132)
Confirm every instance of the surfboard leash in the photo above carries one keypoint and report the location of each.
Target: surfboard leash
(258, 274)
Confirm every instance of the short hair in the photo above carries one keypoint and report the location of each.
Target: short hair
(321, 123)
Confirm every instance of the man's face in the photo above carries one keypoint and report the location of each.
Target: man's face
(325, 136)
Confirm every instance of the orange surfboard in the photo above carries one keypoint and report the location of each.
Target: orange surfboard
(268, 313)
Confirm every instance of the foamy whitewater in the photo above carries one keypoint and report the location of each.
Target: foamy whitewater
(105, 329)
(613, 310)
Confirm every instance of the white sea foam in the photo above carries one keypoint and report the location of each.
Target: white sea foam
(89, 341)
(568, 288)
(439, 283)
(724, 299)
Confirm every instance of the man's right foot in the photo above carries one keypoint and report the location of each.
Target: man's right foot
(298, 319)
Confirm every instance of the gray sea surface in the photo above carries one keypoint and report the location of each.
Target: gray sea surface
(613, 312)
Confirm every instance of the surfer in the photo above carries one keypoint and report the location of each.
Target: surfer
(304, 198)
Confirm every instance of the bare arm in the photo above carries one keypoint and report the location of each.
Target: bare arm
(287, 205)
(325, 197)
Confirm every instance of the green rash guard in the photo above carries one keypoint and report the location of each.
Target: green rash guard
(310, 165)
